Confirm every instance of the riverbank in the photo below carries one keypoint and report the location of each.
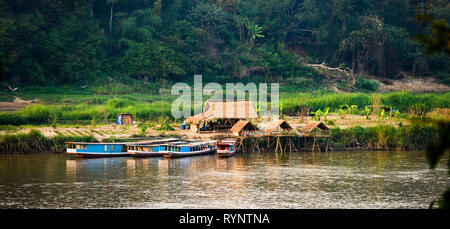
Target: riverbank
(414, 136)
(35, 142)
(93, 109)
(357, 120)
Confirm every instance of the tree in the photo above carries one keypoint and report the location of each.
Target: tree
(365, 48)
(438, 40)
(254, 31)
(111, 3)
(210, 17)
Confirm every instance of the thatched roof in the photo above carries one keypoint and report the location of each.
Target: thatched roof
(312, 125)
(223, 109)
(282, 124)
(243, 125)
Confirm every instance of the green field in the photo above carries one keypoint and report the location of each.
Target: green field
(84, 107)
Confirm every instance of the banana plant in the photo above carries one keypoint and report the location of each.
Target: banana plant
(325, 113)
(396, 114)
(382, 115)
(346, 106)
(351, 108)
(258, 108)
(319, 113)
(254, 31)
(342, 112)
(368, 111)
(281, 108)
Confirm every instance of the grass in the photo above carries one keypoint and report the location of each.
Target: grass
(35, 142)
(84, 113)
(85, 108)
(402, 101)
(98, 132)
(8, 128)
(71, 133)
(79, 132)
(414, 136)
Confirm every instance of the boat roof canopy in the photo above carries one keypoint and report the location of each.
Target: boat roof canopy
(150, 142)
(97, 143)
(200, 143)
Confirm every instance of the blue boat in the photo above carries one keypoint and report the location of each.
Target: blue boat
(152, 148)
(188, 149)
(86, 149)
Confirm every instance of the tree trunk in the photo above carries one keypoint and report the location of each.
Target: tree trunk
(111, 17)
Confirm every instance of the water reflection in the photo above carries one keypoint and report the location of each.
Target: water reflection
(260, 180)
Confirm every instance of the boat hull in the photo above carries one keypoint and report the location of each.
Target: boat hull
(135, 153)
(225, 153)
(168, 154)
(92, 154)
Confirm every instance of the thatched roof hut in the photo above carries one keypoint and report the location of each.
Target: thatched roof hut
(242, 127)
(221, 115)
(278, 126)
(224, 110)
(313, 125)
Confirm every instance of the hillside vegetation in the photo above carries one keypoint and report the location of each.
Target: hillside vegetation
(141, 46)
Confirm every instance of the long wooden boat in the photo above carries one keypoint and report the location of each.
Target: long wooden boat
(189, 149)
(86, 149)
(226, 148)
(150, 148)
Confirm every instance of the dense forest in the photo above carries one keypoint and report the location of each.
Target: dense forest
(80, 42)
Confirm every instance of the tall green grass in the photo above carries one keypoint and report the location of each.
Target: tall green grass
(415, 136)
(152, 109)
(402, 101)
(47, 114)
(35, 142)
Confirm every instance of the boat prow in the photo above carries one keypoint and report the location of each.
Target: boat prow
(226, 148)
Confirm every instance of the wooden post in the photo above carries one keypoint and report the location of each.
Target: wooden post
(281, 145)
(257, 145)
(276, 147)
(304, 141)
(292, 146)
(315, 143)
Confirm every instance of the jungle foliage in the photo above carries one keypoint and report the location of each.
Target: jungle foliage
(136, 44)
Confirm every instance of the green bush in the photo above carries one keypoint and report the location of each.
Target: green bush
(414, 136)
(366, 84)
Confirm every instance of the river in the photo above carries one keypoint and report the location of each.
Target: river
(248, 180)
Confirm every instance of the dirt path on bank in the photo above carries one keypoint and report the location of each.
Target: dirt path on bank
(17, 104)
(334, 76)
(413, 84)
(99, 132)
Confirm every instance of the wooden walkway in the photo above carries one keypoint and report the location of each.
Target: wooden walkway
(279, 143)
(284, 143)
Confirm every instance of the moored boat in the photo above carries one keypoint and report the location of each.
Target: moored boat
(226, 148)
(189, 149)
(150, 148)
(87, 149)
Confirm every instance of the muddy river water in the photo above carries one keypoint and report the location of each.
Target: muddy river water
(399, 179)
